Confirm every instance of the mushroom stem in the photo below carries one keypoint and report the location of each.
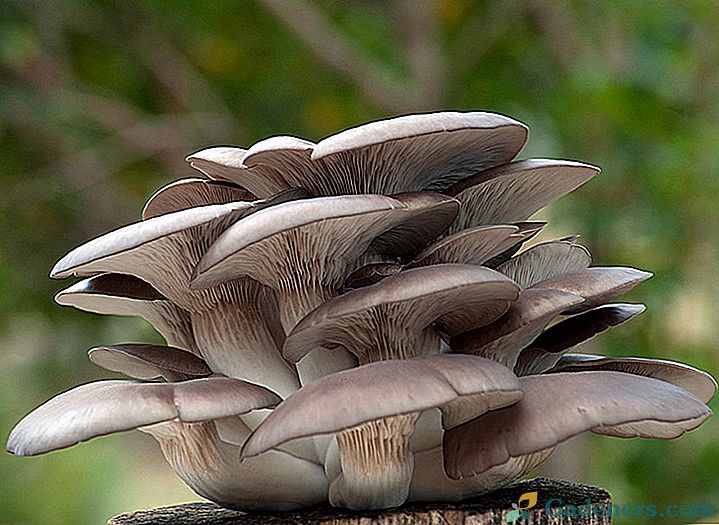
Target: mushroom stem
(235, 341)
(377, 464)
(212, 469)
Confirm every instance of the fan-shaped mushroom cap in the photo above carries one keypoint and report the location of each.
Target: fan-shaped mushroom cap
(232, 323)
(379, 390)
(470, 246)
(549, 346)
(225, 163)
(141, 361)
(190, 193)
(691, 379)
(105, 407)
(395, 317)
(303, 248)
(385, 400)
(513, 192)
(118, 294)
(597, 285)
(503, 339)
(527, 230)
(556, 407)
(544, 261)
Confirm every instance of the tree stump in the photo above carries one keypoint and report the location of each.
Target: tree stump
(580, 504)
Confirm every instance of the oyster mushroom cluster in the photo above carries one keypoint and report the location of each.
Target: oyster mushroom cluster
(361, 321)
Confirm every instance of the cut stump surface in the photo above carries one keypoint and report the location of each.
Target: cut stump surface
(491, 508)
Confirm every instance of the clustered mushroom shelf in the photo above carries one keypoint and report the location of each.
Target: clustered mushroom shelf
(360, 322)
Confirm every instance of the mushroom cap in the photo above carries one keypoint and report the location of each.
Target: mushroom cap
(455, 297)
(503, 339)
(556, 407)
(371, 274)
(470, 246)
(144, 361)
(100, 254)
(597, 285)
(546, 260)
(119, 294)
(328, 228)
(430, 214)
(105, 407)
(102, 293)
(527, 230)
(408, 153)
(691, 379)
(513, 192)
(375, 391)
(549, 346)
(428, 151)
(190, 193)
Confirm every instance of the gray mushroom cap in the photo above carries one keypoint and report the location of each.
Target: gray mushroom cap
(190, 193)
(691, 379)
(304, 249)
(408, 153)
(144, 361)
(470, 246)
(513, 192)
(105, 407)
(375, 391)
(556, 407)
(546, 260)
(597, 285)
(542, 353)
(450, 297)
(119, 294)
(503, 339)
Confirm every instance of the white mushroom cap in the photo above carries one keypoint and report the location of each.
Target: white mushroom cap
(105, 407)
(556, 407)
(470, 246)
(373, 408)
(597, 285)
(379, 390)
(513, 192)
(304, 249)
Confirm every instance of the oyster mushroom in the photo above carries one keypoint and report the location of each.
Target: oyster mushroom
(232, 323)
(376, 462)
(548, 348)
(399, 318)
(408, 153)
(556, 407)
(181, 416)
(119, 294)
(513, 192)
(699, 383)
(189, 193)
(141, 361)
(304, 251)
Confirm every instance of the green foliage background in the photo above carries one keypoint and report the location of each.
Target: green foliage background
(100, 102)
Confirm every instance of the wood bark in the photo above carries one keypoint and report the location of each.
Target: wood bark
(488, 509)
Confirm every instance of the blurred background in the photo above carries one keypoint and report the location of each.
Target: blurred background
(100, 101)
